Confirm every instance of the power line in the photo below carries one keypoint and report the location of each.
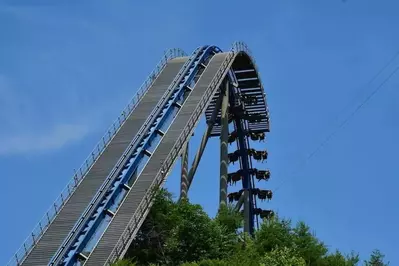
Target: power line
(371, 81)
(350, 116)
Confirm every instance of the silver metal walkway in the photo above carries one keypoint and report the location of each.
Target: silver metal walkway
(120, 222)
(80, 199)
(132, 211)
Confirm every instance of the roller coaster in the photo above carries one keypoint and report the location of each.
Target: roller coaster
(100, 211)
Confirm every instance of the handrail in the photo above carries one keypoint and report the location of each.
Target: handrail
(59, 203)
(146, 203)
(126, 155)
(240, 46)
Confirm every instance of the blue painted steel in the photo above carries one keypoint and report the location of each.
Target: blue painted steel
(126, 173)
(232, 77)
(125, 154)
(244, 158)
(246, 182)
(246, 179)
(252, 181)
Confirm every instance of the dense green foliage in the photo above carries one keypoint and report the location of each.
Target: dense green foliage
(181, 233)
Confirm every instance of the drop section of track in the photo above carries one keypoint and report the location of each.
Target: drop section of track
(86, 189)
(159, 164)
(87, 222)
(90, 232)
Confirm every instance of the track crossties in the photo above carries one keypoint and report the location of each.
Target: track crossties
(102, 214)
(251, 91)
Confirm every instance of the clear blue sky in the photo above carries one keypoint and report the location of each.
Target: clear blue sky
(67, 69)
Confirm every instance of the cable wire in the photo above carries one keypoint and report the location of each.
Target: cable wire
(349, 117)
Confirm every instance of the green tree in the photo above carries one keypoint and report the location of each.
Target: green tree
(207, 263)
(376, 259)
(279, 233)
(307, 245)
(181, 233)
(338, 259)
(228, 217)
(176, 232)
(244, 254)
(149, 244)
(282, 257)
(195, 236)
(274, 233)
(125, 262)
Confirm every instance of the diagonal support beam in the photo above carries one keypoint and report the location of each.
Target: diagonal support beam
(239, 204)
(224, 151)
(204, 140)
(184, 172)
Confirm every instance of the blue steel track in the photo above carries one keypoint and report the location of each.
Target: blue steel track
(81, 244)
(115, 194)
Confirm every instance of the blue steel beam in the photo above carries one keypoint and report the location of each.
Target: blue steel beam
(57, 228)
(31, 246)
(252, 198)
(244, 158)
(251, 178)
(137, 203)
(110, 179)
(118, 190)
(118, 187)
(250, 183)
(246, 183)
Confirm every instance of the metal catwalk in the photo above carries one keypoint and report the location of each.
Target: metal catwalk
(105, 204)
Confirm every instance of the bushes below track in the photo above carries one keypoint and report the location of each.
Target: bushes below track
(183, 234)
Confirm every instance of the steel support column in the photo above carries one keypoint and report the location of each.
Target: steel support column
(184, 172)
(204, 140)
(224, 151)
(246, 182)
(248, 219)
(239, 204)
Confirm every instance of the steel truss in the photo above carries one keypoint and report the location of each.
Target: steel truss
(108, 201)
(230, 104)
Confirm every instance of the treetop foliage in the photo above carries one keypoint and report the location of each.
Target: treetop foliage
(181, 233)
